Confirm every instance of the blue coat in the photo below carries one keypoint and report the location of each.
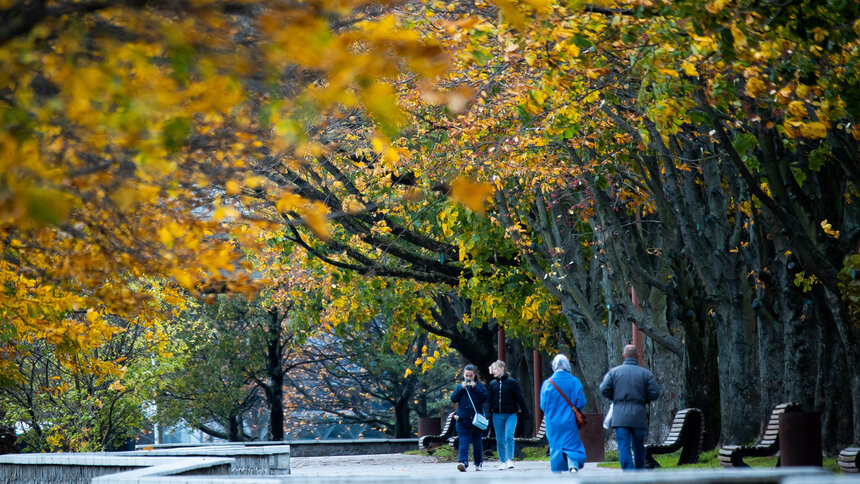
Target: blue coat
(465, 411)
(561, 430)
(630, 387)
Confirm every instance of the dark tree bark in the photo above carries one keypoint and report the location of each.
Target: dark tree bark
(234, 428)
(474, 342)
(402, 424)
(275, 370)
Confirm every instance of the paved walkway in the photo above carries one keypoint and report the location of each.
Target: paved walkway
(387, 465)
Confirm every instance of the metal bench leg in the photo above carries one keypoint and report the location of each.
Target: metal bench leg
(650, 461)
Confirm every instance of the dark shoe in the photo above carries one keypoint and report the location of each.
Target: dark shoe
(461, 467)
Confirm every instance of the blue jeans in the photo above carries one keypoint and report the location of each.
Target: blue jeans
(627, 437)
(505, 424)
(469, 434)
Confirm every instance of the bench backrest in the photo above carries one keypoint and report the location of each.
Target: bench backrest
(771, 432)
(449, 425)
(677, 426)
(541, 433)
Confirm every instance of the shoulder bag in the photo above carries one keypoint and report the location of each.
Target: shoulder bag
(478, 421)
(580, 418)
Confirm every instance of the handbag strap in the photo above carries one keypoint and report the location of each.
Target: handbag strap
(473, 402)
(563, 395)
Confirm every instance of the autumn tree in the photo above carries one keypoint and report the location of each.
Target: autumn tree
(59, 409)
(126, 128)
(369, 377)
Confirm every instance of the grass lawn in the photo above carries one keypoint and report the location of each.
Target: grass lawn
(708, 460)
(446, 454)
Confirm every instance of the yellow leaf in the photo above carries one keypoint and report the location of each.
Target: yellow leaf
(797, 109)
(472, 194)
(755, 86)
(223, 213)
(183, 278)
(530, 58)
(165, 236)
(813, 130)
(315, 219)
(233, 187)
(689, 69)
(352, 206)
(289, 201)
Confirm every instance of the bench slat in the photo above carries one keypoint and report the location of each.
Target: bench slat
(768, 444)
(684, 421)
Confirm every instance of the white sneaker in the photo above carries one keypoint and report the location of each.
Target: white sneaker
(510, 464)
(574, 470)
(502, 466)
(478, 468)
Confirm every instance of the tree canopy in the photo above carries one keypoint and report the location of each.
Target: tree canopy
(458, 166)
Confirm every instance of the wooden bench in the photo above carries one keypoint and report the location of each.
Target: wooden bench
(767, 445)
(687, 433)
(848, 460)
(489, 440)
(447, 431)
(538, 440)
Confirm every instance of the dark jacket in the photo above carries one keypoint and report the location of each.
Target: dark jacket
(630, 387)
(465, 411)
(506, 396)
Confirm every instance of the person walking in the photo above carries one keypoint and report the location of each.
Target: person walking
(470, 396)
(631, 388)
(558, 395)
(506, 400)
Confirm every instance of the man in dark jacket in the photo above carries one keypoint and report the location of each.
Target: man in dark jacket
(506, 400)
(630, 387)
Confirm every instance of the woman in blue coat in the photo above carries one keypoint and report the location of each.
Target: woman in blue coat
(470, 396)
(566, 451)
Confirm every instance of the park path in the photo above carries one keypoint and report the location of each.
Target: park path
(387, 465)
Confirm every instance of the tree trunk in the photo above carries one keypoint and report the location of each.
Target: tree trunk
(7, 437)
(402, 424)
(589, 358)
(234, 428)
(518, 366)
(475, 343)
(274, 390)
(848, 334)
(833, 377)
(738, 399)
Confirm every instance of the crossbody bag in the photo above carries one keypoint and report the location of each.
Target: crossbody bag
(580, 418)
(478, 420)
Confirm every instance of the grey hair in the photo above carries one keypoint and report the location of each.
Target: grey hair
(560, 362)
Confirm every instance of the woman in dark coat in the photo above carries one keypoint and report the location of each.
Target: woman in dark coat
(506, 401)
(470, 396)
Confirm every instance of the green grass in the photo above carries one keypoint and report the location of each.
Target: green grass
(535, 453)
(443, 453)
(446, 454)
(709, 460)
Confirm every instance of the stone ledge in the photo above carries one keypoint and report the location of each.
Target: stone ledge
(88, 459)
(214, 450)
(795, 475)
(164, 468)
